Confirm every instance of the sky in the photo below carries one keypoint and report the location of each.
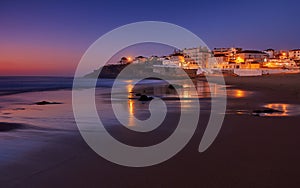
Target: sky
(49, 37)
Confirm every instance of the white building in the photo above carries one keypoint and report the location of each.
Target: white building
(251, 55)
(200, 55)
(139, 59)
(270, 52)
(173, 61)
(294, 54)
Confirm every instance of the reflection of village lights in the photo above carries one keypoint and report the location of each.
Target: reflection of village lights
(131, 113)
(284, 107)
(186, 94)
(185, 85)
(239, 93)
(129, 88)
(280, 107)
(131, 107)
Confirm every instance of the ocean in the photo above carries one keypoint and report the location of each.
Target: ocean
(26, 126)
(18, 96)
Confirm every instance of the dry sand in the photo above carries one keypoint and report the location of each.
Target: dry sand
(248, 152)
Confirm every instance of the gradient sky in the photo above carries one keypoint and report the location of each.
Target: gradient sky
(49, 37)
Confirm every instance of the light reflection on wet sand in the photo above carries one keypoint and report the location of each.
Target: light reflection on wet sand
(285, 110)
(180, 98)
(239, 93)
(184, 91)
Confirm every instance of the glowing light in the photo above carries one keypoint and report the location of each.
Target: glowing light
(239, 60)
(239, 93)
(181, 59)
(281, 107)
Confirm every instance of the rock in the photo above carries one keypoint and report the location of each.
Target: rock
(145, 98)
(46, 103)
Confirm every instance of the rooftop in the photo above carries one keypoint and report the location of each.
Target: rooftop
(252, 52)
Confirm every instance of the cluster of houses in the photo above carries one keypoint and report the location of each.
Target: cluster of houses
(237, 58)
(223, 59)
(174, 60)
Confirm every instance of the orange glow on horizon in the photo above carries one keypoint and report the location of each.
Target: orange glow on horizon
(20, 60)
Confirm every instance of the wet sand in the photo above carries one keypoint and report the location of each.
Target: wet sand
(277, 87)
(249, 151)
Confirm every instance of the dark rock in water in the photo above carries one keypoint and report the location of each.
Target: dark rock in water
(9, 126)
(46, 103)
(145, 98)
(138, 94)
(265, 111)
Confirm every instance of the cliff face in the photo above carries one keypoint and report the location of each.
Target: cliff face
(108, 71)
(112, 71)
(138, 70)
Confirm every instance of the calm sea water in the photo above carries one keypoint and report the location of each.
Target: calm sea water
(18, 96)
(21, 84)
(11, 85)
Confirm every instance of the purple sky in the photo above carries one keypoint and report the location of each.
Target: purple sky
(49, 37)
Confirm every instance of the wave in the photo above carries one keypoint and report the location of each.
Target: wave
(20, 84)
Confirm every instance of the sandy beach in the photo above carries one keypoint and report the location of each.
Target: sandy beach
(250, 151)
